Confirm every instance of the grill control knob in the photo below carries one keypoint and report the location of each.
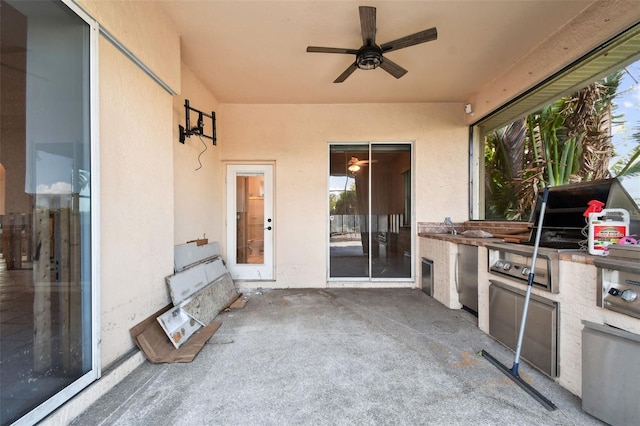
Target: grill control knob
(506, 266)
(525, 271)
(629, 295)
(614, 291)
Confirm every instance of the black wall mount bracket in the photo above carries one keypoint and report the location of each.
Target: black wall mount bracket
(199, 129)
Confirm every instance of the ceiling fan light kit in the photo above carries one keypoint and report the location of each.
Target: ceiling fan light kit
(369, 58)
(370, 55)
(354, 165)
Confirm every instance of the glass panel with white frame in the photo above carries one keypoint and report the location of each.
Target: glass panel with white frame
(370, 233)
(46, 338)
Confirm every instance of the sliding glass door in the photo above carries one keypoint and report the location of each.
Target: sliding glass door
(370, 226)
(48, 345)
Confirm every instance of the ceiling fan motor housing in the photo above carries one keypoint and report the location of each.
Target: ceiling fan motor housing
(369, 57)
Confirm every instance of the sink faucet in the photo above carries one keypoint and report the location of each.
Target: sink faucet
(447, 221)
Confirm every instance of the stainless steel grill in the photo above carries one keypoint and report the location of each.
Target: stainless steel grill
(619, 284)
(565, 225)
(514, 260)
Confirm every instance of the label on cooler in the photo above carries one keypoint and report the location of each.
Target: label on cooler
(604, 235)
(604, 230)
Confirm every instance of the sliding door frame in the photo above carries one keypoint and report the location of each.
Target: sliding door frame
(412, 215)
(90, 325)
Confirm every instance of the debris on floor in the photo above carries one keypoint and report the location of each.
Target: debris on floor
(178, 325)
(152, 340)
(200, 288)
(239, 303)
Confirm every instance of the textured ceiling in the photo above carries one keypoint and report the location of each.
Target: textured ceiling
(255, 51)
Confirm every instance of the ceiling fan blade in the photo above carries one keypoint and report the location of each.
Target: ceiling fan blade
(342, 77)
(316, 49)
(368, 25)
(392, 68)
(411, 40)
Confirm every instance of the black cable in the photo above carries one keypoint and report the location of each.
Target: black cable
(199, 155)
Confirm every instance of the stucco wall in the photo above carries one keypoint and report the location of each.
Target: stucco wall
(578, 302)
(136, 232)
(444, 255)
(145, 31)
(198, 183)
(296, 137)
(137, 139)
(152, 196)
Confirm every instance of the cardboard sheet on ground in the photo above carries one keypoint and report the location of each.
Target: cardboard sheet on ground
(153, 342)
(239, 303)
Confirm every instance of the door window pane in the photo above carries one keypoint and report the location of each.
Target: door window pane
(391, 237)
(45, 272)
(349, 203)
(250, 219)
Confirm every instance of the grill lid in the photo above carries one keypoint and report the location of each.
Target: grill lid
(564, 223)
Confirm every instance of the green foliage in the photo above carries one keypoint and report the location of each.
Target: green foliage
(346, 203)
(499, 179)
(568, 140)
(629, 165)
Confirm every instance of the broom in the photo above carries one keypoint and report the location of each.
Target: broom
(512, 372)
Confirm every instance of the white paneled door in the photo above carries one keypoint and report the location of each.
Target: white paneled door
(250, 224)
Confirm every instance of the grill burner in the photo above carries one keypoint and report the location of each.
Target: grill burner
(557, 245)
(560, 238)
(513, 260)
(619, 284)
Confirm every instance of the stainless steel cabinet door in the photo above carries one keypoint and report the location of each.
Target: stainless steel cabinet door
(467, 276)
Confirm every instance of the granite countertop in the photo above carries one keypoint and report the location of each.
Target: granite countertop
(577, 256)
(509, 233)
(461, 239)
(500, 231)
(628, 265)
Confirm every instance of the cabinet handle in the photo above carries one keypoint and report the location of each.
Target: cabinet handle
(456, 269)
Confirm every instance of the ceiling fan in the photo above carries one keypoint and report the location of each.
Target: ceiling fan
(370, 55)
(354, 164)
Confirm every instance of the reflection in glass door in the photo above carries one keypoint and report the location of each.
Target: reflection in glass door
(47, 345)
(370, 230)
(250, 221)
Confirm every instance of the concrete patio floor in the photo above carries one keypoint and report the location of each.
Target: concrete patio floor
(338, 357)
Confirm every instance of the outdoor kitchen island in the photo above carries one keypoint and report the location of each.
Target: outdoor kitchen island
(574, 298)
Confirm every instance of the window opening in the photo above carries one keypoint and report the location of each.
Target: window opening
(587, 131)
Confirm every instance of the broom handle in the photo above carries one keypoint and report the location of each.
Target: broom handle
(525, 309)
